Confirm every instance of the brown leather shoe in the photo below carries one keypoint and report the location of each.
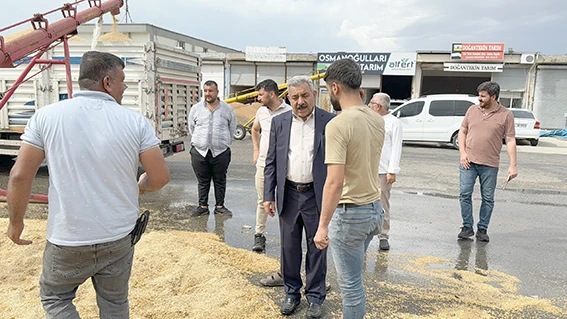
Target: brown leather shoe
(274, 280)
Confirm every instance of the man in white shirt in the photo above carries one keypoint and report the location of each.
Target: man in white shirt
(389, 160)
(92, 145)
(273, 105)
(294, 177)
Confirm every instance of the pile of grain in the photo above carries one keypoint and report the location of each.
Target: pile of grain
(114, 35)
(20, 33)
(194, 275)
(175, 275)
(77, 38)
(245, 112)
(450, 293)
(17, 34)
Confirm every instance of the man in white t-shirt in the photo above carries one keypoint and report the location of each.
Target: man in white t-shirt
(93, 146)
(272, 106)
(389, 160)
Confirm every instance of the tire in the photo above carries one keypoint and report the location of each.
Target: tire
(455, 140)
(240, 132)
(534, 142)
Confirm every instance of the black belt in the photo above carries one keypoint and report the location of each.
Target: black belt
(348, 205)
(351, 205)
(300, 187)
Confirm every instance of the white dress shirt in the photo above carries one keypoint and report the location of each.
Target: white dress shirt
(300, 154)
(392, 149)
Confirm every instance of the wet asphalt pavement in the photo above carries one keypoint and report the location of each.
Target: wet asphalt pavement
(528, 227)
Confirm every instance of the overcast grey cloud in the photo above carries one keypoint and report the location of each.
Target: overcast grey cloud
(340, 25)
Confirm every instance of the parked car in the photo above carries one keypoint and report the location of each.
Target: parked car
(394, 103)
(527, 126)
(434, 118)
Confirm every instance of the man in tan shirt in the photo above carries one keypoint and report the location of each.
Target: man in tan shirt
(351, 196)
(480, 143)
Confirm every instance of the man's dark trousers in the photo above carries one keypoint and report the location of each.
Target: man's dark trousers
(299, 212)
(209, 167)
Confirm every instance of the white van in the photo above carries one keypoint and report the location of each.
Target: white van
(434, 118)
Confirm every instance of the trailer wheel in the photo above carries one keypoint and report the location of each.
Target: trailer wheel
(240, 132)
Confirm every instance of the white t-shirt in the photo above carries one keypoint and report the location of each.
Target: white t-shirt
(92, 146)
(264, 118)
(392, 149)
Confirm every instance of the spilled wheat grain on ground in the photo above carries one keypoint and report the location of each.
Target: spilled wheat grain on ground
(175, 275)
(194, 275)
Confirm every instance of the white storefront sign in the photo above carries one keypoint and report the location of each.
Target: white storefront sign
(472, 67)
(266, 54)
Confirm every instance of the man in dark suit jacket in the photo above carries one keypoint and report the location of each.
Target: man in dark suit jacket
(296, 171)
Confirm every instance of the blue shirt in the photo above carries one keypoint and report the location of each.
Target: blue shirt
(212, 130)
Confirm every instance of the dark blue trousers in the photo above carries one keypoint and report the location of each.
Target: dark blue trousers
(300, 212)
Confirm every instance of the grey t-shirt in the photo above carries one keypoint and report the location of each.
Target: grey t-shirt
(92, 146)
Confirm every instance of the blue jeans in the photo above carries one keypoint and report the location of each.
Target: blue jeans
(350, 231)
(487, 176)
(65, 268)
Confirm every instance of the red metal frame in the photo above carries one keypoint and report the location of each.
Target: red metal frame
(46, 35)
(34, 198)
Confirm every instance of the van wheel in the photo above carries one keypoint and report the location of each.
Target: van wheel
(240, 132)
(534, 142)
(455, 140)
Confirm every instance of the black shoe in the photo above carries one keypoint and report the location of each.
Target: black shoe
(466, 233)
(223, 211)
(482, 235)
(384, 245)
(199, 211)
(259, 243)
(289, 305)
(314, 311)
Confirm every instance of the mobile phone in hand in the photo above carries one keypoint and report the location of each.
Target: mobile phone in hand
(509, 178)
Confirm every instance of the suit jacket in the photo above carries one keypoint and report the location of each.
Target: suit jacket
(275, 171)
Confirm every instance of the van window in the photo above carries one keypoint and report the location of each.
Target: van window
(461, 107)
(411, 109)
(442, 108)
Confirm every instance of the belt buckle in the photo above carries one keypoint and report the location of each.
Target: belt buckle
(302, 188)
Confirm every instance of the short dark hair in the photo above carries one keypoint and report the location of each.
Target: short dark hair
(346, 72)
(95, 66)
(211, 83)
(491, 87)
(268, 85)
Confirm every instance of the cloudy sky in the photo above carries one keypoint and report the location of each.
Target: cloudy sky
(304, 26)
